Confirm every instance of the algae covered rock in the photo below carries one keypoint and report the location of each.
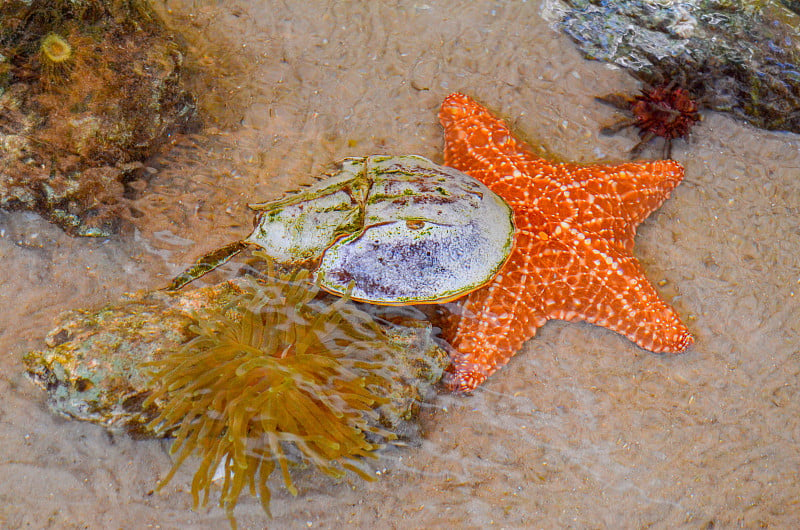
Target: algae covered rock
(91, 368)
(94, 366)
(737, 56)
(88, 90)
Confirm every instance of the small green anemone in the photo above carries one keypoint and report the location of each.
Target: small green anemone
(56, 59)
(277, 373)
(55, 49)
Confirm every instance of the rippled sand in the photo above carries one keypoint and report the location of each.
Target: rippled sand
(582, 428)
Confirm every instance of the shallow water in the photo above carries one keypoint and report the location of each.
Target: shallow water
(582, 428)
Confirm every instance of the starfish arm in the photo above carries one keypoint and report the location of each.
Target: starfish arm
(490, 327)
(620, 196)
(475, 139)
(605, 285)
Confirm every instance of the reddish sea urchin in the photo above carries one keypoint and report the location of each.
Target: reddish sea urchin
(665, 110)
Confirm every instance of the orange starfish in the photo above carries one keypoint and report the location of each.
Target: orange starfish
(573, 252)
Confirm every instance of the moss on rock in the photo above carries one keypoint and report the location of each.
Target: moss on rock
(89, 89)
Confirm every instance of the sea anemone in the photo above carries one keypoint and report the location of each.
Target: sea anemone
(55, 49)
(666, 111)
(56, 58)
(278, 376)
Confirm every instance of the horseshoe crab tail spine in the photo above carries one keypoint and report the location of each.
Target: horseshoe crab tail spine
(206, 263)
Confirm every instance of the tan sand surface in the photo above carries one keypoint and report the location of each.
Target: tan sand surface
(582, 428)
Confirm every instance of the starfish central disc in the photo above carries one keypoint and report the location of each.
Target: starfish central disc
(573, 252)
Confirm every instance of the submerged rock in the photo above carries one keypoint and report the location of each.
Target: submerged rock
(88, 90)
(94, 366)
(737, 56)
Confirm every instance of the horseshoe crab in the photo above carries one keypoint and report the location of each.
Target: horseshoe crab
(400, 229)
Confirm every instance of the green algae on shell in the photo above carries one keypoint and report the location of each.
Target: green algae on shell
(285, 370)
(399, 228)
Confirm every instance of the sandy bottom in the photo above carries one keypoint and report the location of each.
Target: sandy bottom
(582, 428)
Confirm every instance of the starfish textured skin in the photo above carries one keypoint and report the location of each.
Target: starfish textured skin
(573, 250)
